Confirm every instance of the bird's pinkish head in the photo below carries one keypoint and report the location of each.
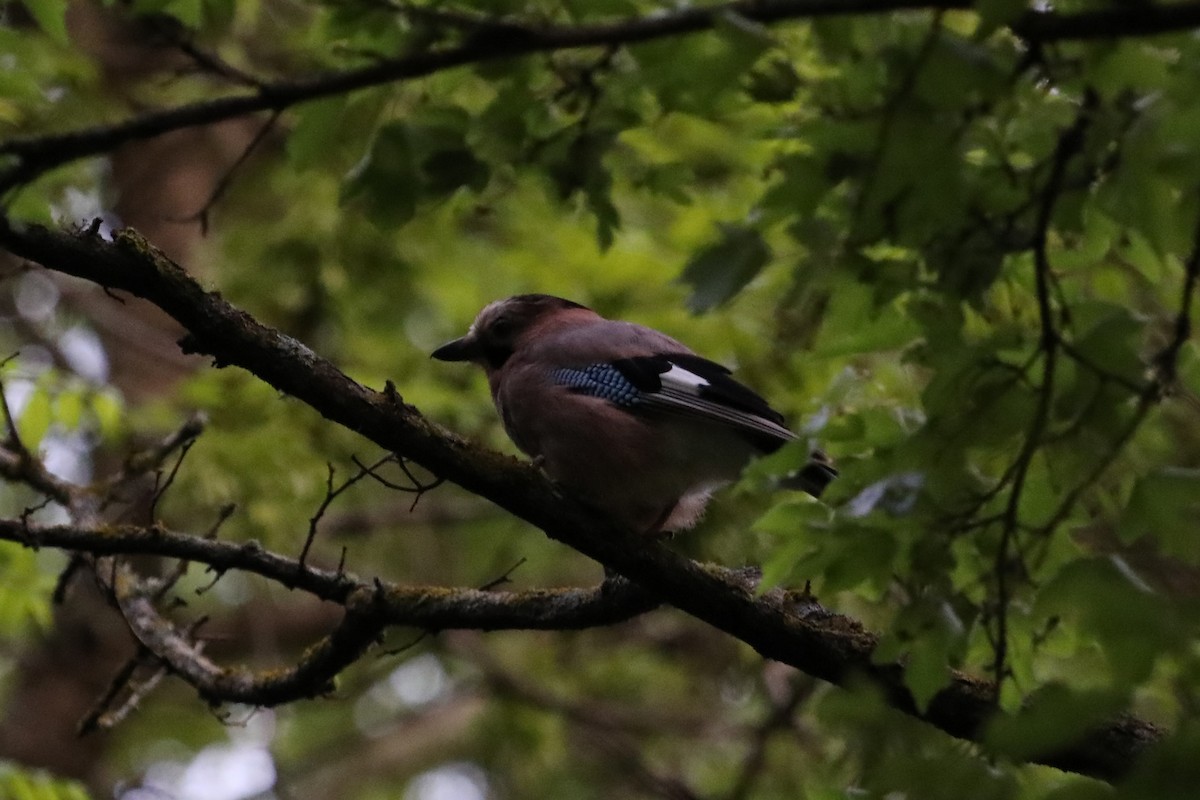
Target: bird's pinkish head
(499, 327)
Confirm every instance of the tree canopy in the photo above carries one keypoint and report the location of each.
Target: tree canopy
(256, 544)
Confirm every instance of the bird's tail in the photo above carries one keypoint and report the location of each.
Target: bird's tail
(814, 476)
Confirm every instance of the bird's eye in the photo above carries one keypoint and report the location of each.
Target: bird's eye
(502, 328)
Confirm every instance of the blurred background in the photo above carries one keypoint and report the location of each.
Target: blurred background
(845, 211)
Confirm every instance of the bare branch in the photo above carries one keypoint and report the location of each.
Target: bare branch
(1108, 23)
(435, 608)
(648, 780)
(311, 677)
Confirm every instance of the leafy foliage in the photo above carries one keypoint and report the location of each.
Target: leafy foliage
(21, 784)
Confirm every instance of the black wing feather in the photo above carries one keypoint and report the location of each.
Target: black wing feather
(643, 371)
(723, 388)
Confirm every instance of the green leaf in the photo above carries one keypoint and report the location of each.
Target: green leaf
(1113, 606)
(858, 325)
(1132, 66)
(577, 168)
(315, 132)
(1054, 716)
(20, 783)
(386, 182)
(671, 179)
(799, 530)
(68, 407)
(51, 17)
(108, 410)
(791, 527)
(957, 72)
(35, 418)
(1165, 504)
(1189, 371)
(854, 555)
(1170, 769)
(801, 185)
(775, 81)
(189, 12)
(448, 170)
(995, 14)
(935, 639)
(766, 471)
(1080, 788)
(1109, 337)
(25, 592)
(719, 271)
(696, 73)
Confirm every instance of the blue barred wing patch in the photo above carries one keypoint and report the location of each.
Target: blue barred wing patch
(683, 385)
(600, 380)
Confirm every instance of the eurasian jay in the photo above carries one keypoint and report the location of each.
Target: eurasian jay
(624, 417)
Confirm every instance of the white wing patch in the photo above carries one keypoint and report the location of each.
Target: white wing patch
(679, 378)
(682, 392)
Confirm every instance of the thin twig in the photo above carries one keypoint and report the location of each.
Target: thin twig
(375, 476)
(778, 717)
(420, 487)
(63, 582)
(1165, 362)
(1083, 359)
(226, 180)
(409, 645)
(331, 494)
(103, 716)
(417, 487)
(181, 567)
(504, 577)
(140, 463)
(90, 721)
(12, 437)
(215, 65)
(1070, 142)
(160, 486)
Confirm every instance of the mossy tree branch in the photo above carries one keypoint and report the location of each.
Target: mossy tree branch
(778, 625)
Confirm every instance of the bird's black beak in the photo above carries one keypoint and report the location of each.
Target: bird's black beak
(464, 349)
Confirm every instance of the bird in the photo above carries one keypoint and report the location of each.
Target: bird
(624, 417)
